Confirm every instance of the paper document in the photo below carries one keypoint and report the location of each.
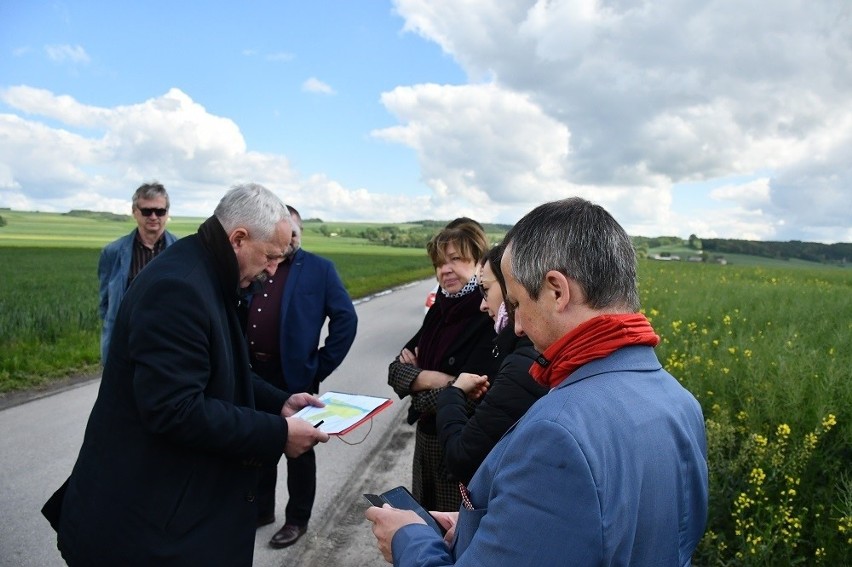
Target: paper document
(343, 412)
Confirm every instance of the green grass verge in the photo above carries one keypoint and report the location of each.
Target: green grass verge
(49, 325)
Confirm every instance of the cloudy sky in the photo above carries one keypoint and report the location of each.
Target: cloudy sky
(726, 119)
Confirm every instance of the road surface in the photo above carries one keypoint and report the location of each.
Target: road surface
(40, 440)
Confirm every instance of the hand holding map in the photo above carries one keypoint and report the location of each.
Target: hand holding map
(342, 412)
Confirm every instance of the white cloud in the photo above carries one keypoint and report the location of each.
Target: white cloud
(102, 154)
(662, 93)
(751, 195)
(63, 53)
(624, 103)
(478, 142)
(314, 85)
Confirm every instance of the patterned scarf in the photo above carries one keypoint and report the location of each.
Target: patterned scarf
(502, 319)
(468, 287)
(596, 338)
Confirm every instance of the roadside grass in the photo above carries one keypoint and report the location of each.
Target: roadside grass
(49, 323)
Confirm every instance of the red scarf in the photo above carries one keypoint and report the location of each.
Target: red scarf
(596, 338)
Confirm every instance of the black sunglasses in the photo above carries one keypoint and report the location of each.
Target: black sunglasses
(147, 212)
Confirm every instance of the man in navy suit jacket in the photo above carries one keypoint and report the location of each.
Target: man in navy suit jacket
(610, 466)
(285, 323)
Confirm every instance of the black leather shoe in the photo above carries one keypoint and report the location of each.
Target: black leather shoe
(265, 520)
(287, 536)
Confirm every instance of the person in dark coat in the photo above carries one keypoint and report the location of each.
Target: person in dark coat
(167, 472)
(466, 440)
(455, 337)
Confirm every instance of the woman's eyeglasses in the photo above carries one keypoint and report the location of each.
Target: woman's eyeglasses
(482, 291)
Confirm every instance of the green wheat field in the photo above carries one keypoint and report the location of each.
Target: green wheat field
(765, 349)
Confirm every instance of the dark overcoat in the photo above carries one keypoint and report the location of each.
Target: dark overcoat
(168, 467)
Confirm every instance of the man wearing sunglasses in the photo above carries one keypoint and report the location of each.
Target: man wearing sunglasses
(122, 259)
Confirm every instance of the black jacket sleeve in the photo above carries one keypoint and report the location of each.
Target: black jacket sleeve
(466, 442)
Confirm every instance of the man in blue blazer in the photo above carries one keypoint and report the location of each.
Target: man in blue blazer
(122, 259)
(610, 466)
(285, 323)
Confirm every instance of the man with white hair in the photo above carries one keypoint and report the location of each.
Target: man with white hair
(167, 473)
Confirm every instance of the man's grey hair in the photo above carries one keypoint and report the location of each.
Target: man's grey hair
(582, 241)
(253, 207)
(148, 191)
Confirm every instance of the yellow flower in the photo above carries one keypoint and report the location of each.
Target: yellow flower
(829, 422)
(757, 476)
(811, 441)
(783, 430)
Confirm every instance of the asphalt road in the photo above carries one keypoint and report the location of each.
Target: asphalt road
(41, 437)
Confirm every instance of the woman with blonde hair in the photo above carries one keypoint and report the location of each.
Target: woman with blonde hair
(455, 337)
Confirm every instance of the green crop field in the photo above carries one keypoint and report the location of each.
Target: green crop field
(767, 353)
(765, 348)
(49, 326)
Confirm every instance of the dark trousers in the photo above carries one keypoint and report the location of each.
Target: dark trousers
(301, 471)
(301, 486)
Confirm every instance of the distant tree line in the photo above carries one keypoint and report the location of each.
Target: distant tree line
(97, 215)
(439, 224)
(648, 242)
(840, 253)
(421, 232)
(416, 236)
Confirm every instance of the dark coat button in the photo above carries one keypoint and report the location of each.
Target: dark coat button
(452, 361)
(250, 497)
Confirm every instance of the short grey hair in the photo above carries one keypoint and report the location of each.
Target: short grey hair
(253, 207)
(582, 241)
(149, 191)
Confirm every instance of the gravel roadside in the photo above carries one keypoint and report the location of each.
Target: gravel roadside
(12, 399)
